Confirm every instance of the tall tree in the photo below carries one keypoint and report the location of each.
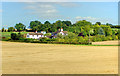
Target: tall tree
(68, 23)
(83, 23)
(99, 23)
(20, 27)
(47, 26)
(34, 25)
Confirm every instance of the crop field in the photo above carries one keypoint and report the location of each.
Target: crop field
(34, 58)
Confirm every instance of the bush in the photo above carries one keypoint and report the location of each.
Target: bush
(15, 36)
(114, 37)
(109, 38)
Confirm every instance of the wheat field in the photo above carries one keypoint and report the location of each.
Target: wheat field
(34, 58)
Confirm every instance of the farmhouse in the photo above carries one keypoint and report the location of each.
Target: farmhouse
(34, 35)
(60, 31)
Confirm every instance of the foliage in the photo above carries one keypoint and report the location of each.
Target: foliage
(48, 34)
(15, 36)
(3, 29)
(20, 27)
(91, 32)
(98, 23)
(11, 29)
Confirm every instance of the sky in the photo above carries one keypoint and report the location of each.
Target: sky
(24, 12)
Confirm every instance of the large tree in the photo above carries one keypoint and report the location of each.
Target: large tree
(99, 23)
(83, 23)
(47, 26)
(11, 29)
(20, 27)
(68, 23)
(35, 24)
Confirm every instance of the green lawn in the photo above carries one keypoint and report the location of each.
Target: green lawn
(8, 34)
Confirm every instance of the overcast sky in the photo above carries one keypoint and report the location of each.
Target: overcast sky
(24, 12)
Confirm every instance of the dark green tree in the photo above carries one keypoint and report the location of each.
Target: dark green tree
(3, 29)
(35, 24)
(11, 29)
(99, 23)
(20, 27)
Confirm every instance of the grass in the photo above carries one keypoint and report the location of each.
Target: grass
(8, 34)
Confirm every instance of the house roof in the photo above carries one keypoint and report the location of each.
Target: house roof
(35, 34)
(65, 32)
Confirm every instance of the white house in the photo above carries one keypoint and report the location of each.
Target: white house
(59, 31)
(34, 35)
(43, 32)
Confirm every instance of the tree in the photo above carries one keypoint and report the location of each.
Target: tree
(101, 31)
(96, 28)
(47, 22)
(46, 26)
(109, 24)
(58, 24)
(20, 27)
(107, 30)
(35, 25)
(99, 23)
(3, 29)
(83, 23)
(68, 23)
(11, 29)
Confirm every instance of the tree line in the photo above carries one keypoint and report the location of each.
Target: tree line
(90, 32)
(83, 26)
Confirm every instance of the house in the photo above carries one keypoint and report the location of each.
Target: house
(43, 32)
(34, 35)
(60, 31)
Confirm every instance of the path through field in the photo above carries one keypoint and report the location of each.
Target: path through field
(34, 58)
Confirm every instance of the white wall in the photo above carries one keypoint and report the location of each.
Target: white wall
(34, 36)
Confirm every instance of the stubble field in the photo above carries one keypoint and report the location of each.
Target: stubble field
(34, 58)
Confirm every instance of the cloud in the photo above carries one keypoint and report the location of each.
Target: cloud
(67, 4)
(41, 8)
(93, 19)
(47, 10)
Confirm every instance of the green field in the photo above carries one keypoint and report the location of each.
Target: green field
(8, 34)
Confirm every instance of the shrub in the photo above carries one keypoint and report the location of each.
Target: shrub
(15, 36)
(109, 38)
(81, 40)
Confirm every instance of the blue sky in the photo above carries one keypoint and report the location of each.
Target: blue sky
(24, 12)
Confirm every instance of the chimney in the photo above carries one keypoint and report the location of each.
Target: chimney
(35, 31)
(61, 29)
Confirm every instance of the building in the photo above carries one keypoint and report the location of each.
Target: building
(59, 31)
(43, 32)
(34, 35)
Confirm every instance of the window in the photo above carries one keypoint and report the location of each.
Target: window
(27, 35)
